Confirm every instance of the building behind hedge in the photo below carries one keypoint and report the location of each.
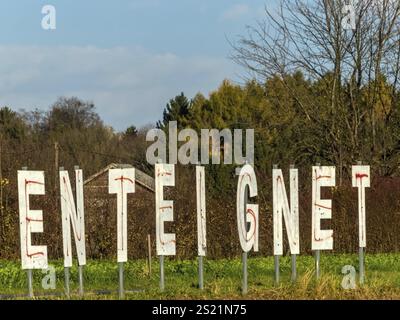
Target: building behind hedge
(101, 214)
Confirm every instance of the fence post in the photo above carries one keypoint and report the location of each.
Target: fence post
(121, 291)
(244, 264)
(162, 284)
(66, 275)
(201, 277)
(149, 252)
(81, 290)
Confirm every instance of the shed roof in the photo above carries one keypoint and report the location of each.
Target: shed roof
(140, 177)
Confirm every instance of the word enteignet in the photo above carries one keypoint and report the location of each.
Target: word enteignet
(122, 182)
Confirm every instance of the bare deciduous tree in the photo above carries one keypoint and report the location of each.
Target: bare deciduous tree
(352, 49)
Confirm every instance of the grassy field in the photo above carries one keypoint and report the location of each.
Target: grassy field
(222, 279)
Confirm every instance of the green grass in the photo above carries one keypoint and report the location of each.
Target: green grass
(222, 279)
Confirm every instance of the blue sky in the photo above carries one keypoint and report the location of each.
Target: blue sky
(128, 56)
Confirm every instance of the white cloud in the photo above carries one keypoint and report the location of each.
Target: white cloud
(235, 12)
(128, 85)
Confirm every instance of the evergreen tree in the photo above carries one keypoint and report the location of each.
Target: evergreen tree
(176, 110)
